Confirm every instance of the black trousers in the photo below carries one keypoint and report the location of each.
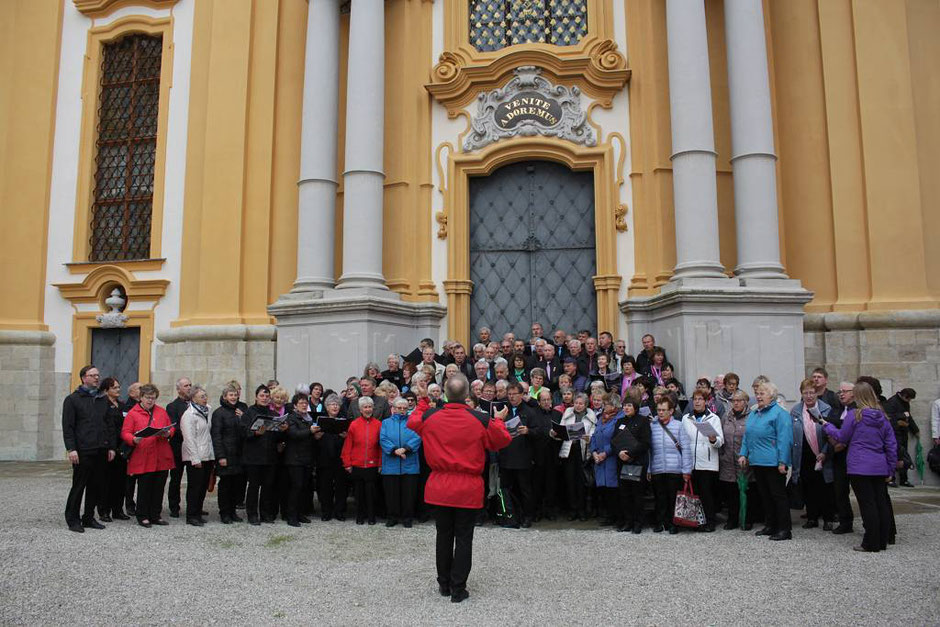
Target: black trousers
(400, 494)
(130, 487)
(454, 547)
(299, 479)
(230, 487)
(112, 502)
(176, 480)
(840, 485)
(89, 478)
(573, 473)
(872, 496)
(519, 484)
(610, 501)
(197, 482)
(282, 484)
(365, 482)
(544, 479)
(260, 485)
(772, 487)
(630, 497)
(705, 484)
(732, 496)
(818, 495)
(150, 487)
(665, 487)
(332, 489)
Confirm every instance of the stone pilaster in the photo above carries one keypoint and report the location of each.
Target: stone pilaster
(30, 400)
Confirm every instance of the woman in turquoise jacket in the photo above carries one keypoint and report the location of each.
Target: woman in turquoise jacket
(766, 448)
(400, 465)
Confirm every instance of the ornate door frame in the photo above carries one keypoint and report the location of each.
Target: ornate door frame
(461, 166)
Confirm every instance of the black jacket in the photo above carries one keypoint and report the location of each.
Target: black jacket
(899, 410)
(540, 427)
(328, 450)
(86, 425)
(638, 447)
(396, 377)
(176, 408)
(227, 437)
(832, 399)
(259, 450)
(519, 455)
(299, 449)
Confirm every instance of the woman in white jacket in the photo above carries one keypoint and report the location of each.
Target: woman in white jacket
(706, 435)
(574, 454)
(198, 455)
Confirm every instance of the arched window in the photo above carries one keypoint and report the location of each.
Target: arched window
(126, 143)
(496, 24)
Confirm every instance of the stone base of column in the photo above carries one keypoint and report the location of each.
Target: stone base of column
(900, 348)
(212, 356)
(712, 326)
(330, 335)
(31, 395)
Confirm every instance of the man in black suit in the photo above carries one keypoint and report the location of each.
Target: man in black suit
(176, 408)
(381, 409)
(551, 365)
(645, 357)
(89, 442)
(560, 340)
(516, 460)
(463, 362)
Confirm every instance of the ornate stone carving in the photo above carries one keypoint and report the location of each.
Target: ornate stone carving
(558, 115)
(114, 319)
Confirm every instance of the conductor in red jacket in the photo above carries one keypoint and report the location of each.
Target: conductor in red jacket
(455, 439)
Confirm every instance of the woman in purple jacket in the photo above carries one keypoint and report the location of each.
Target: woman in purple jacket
(871, 459)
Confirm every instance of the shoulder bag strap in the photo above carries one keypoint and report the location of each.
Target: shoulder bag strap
(671, 436)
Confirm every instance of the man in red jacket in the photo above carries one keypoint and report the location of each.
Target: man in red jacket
(455, 439)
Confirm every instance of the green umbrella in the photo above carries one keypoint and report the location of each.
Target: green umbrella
(919, 460)
(742, 493)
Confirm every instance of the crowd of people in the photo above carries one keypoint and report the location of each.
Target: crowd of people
(595, 433)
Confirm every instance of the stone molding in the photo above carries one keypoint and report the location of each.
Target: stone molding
(27, 338)
(101, 8)
(242, 332)
(845, 321)
(357, 304)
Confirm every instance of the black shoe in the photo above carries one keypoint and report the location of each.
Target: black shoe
(810, 524)
(293, 523)
(623, 528)
(862, 549)
(907, 484)
(444, 590)
(549, 516)
(827, 526)
(708, 528)
(253, 520)
(657, 528)
(92, 524)
(360, 521)
(728, 526)
(145, 523)
(526, 523)
(267, 520)
(406, 524)
(782, 535)
(764, 531)
(203, 513)
(195, 522)
(583, 517)
(748, 526)
(892, 540)
(607, 522)
(76, 527)
(340, 517)
(638, 528)
(326, 517)
(673, 530)
(160, 522)
(459, 595)
(842, 529)
(372, 521)
(304, 520)
(130, 509)
(391, 522)
(227, 520)
(892, 484)
(237, 518)
(121, 516)
(105, 518)
(572, 517)
(174, 513)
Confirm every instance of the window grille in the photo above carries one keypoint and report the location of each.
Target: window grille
(126, 146)
(497, 24)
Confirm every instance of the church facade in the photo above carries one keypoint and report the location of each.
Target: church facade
(247, 189)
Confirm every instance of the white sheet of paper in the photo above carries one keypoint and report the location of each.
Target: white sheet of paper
(705, 429)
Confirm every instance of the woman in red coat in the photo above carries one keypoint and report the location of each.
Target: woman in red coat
(152, 457)
(362, 458)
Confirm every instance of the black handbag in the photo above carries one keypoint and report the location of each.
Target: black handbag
(631, 472)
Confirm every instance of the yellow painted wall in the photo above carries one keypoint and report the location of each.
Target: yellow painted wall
(856, 90)
(29, 76)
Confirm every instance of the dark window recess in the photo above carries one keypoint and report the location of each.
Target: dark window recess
(497, 24)
(129, 96)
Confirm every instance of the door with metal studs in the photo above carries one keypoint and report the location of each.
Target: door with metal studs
(532, 255)
(116, 353)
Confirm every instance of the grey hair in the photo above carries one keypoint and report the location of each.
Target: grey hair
(479, 346)
(198, 388)
(400, 401)
(759, 380)
(612, 399)
(770, 387)
(485, 329)
(435, 386)
(499, 361)
(366, 401)
(179, 382)
(229, 388)
(582, 396)
(740, 395)
(502, 384)
(481, 362)
(566, 388)
(302, 389)
(332, 399)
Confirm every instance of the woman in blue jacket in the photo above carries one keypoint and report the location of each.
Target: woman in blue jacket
(766, 448)
(605, 459)
(400, 465)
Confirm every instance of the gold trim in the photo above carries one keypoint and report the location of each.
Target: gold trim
(594, 64)
(101, 8)
(441, 216)
(82, 325)
(93, 287)
(97, 37)
(460, 167)
(83, 267)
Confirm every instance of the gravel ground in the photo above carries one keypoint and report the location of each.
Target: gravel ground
(340, 573)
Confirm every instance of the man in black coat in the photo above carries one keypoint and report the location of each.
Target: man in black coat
(550, 364)
(645, 357)
(90, 444)
(839, 467)
(898, 409)
(516, 460)
(463, 363)
(176, 408)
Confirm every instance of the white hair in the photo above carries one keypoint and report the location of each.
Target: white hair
(366, 401)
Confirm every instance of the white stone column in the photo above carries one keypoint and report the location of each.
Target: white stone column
(316, 210)
(363, 178)
(752, 142)
(693, 144)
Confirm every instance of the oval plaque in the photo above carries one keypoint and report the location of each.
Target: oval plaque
(528, 106)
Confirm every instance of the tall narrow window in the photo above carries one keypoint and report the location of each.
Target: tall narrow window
(496, 24)
(126, 146)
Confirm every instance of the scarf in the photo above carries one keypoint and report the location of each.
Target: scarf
(202, 410)
(809, 431)
(627, 383)
(657, 373)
